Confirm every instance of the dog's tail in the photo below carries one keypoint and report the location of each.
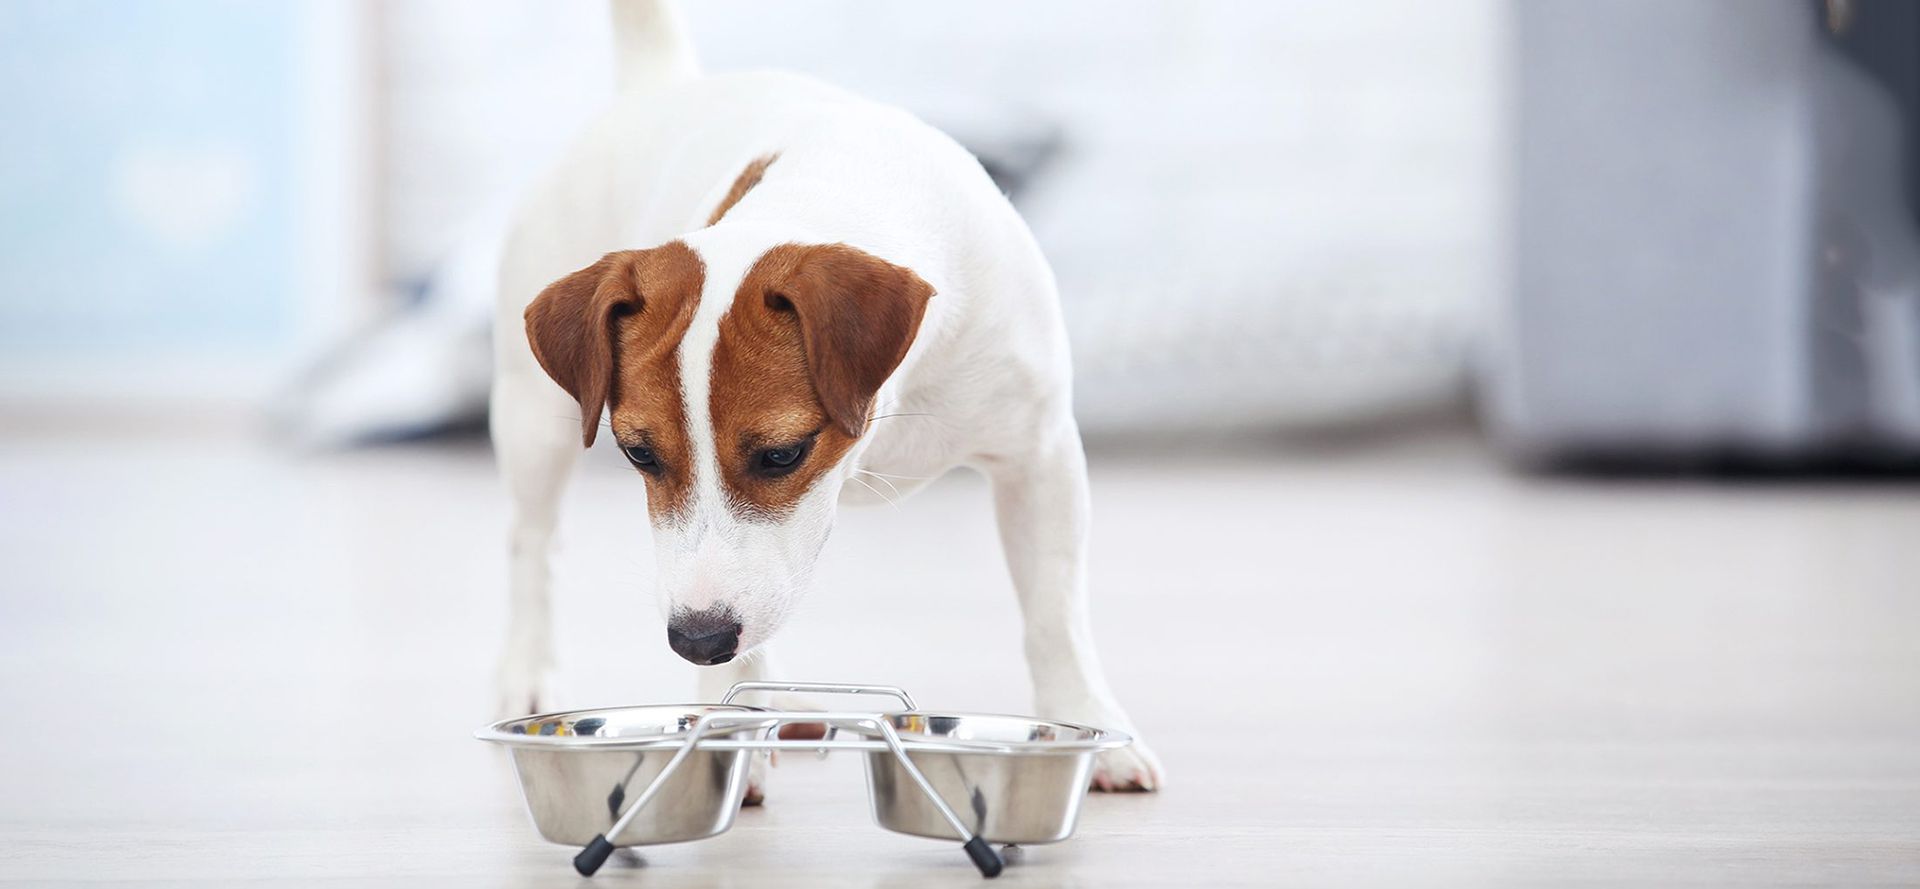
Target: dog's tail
(650, 45)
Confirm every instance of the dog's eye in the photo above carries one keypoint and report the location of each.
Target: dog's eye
(642, 457)
(779, 461)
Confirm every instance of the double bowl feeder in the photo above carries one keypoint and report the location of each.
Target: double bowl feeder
(641, 776)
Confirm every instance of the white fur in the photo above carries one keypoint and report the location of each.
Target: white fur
(987, 379)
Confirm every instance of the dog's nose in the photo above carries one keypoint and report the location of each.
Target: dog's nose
(704, 637)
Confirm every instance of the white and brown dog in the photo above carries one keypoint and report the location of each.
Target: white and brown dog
(747, 273)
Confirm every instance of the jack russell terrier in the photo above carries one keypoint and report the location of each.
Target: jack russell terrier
(752, 275)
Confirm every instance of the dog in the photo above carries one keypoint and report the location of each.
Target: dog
(757, 278)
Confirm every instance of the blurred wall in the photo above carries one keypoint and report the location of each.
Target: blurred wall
(472, 107)
(181, 193)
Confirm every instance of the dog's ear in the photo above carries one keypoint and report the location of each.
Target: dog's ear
(571, 324)
(858, 315)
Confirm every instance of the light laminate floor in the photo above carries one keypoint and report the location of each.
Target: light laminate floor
(1384, 664)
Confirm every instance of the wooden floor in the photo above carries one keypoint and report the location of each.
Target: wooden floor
(1389, 665)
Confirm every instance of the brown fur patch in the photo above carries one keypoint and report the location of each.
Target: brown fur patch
(610, 335)
(812, 334)
(742, 184)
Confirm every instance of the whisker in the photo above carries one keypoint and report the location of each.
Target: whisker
(876, 491)
(898, 414)
(883, 480)
(604, 424)
(915, 478)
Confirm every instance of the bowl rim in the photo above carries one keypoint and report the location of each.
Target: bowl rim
(1099, 739)
(496, 732)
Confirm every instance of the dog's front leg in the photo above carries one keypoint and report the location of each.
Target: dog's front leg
(536, 446)
(712, 686)
(1040, 499)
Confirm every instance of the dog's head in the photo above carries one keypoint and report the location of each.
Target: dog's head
(741, 418)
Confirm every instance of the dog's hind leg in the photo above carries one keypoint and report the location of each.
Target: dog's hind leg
(536, 439)
(1040, 499)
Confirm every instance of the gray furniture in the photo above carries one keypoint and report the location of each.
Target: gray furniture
(1714, 247)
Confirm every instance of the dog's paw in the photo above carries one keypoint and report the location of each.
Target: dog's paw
(756, 782)
(1131, 769)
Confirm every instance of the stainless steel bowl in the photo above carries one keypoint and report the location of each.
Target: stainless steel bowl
(581, 769)
(1012, 779)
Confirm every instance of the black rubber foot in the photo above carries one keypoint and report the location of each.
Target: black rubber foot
(594, 855)
(984, 858)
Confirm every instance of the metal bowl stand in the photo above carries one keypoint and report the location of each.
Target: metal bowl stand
(595, 853)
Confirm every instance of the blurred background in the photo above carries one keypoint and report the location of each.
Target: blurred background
(306, 198)
(1333, 217)
(1524, 373)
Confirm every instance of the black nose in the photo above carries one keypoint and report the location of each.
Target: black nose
(704, 637)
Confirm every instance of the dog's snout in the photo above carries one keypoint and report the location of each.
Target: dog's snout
(704, 637)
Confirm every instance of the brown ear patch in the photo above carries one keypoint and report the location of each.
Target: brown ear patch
(610, 335)
(742, 184)
(812, 334)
